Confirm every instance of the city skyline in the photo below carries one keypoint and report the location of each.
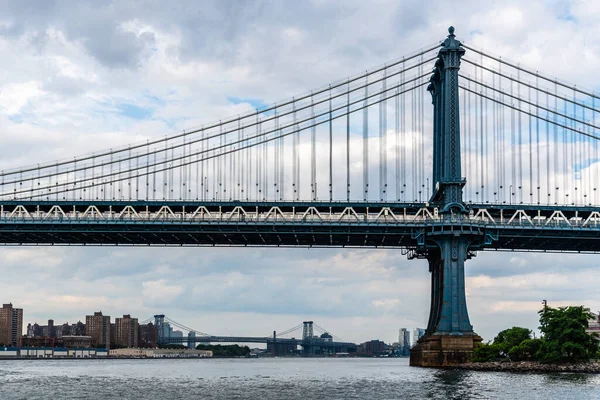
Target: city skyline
(53, 329)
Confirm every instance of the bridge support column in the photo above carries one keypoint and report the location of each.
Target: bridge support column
(450, 338)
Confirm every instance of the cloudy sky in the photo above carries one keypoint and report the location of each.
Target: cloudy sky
(83, 76)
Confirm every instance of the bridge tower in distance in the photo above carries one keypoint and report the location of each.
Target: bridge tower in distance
(307, 331)
(450, 338)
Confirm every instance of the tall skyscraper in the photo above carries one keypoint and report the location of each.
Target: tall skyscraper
(404, 341)
(11, 325)
(126, 330)
(98, 327)
(418, 333)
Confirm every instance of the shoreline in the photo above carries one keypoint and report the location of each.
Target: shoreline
(530, 367)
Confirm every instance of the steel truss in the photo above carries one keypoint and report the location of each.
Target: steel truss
(304, 224)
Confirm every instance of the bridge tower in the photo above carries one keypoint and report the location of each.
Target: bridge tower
(308, 349)
(450, 338)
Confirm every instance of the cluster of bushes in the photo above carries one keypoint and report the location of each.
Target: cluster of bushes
(225, 351)
(564, 339)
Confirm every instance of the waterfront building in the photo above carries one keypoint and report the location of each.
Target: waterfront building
(11, 325)
(126, 331)
(161, 353)
(98, 327)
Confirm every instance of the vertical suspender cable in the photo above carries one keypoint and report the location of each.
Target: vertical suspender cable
(520, 145)
(595, 141)
(313, 152)
(366, 143)
(382, 141)
(397, 142)
(254, 152)
(296, 179)
(513, 151)
(550, 141)
(330, 148)
(530, 149)
(404, 138)
(469, 168)
(478, 177)
(482, 154)
(422, 132)
(276, 162)
(348, 143)
(537, 141)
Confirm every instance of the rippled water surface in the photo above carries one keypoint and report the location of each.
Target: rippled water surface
(276, 379)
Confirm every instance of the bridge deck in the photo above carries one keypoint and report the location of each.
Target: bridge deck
(302, 224)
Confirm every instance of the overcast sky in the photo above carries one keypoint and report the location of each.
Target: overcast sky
(83, 76)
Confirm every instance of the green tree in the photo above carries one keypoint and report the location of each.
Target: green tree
(527, 350)
(509, 338)
(487, 352)
(564, 335)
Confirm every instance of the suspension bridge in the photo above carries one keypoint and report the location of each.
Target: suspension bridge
(313, 338)
(505, 159)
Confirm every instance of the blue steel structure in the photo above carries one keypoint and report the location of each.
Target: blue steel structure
(533, 187)
(311, 344)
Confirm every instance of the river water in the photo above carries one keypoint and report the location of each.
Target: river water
(282, 378)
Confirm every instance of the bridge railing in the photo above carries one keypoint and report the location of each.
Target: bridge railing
(484, 216)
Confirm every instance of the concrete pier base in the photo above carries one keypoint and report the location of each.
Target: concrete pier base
(443, 350)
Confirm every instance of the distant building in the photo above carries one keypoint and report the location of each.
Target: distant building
(418, 333)
(76, 342)
(178, 336)
(126, 331)
(11, 325)
(191, 342)
(148, 335)
(327, 337)
(78, 329)
(594, 324)
(98, 327)
(38, 341)
(161, 353)
(65, 329)
(372, 347)
(51, 330)
(404, 342)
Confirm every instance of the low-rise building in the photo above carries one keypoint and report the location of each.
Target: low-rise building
(160, 353)
(9, 352)
(72, 341)
(36, 352)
